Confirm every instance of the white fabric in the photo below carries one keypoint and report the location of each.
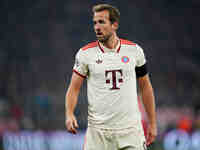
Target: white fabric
(111, 108)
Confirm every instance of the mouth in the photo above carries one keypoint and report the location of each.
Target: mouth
(99, 34)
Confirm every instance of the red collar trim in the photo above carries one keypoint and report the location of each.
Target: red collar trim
(104, 51)
(100, 47)
(119, 46)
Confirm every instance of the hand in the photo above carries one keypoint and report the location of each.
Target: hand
(71, 124)
(151, 134)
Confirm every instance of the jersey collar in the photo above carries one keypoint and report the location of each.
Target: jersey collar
(105, 49)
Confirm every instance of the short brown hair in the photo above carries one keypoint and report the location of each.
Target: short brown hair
(114, 14)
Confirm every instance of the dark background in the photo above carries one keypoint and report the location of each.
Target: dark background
(39, 39)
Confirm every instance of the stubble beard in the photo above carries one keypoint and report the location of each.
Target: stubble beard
(105, 38)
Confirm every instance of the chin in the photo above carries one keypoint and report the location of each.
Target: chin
(102, 40)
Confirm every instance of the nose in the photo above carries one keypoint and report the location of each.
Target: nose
(97, 27)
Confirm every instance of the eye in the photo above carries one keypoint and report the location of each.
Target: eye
(94, 22)
(101, 21)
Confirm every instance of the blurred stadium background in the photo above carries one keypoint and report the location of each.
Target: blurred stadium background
(38, 42)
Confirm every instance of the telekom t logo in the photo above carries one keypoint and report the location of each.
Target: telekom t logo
(114, 78)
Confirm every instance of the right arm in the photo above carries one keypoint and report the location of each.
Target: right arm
(71, 102)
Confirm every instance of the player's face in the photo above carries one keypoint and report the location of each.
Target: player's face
(102, 26)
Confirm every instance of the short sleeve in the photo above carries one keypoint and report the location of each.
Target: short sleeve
(80, 65)
(141, 67)
(141, 60)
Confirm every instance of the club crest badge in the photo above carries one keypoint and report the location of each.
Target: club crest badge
(125, 59)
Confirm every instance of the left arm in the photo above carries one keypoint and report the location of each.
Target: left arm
(148, 99)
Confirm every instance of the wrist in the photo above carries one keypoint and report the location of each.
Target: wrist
(152, 123)
(68, 114)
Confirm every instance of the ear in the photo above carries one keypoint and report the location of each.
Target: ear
(115, 25)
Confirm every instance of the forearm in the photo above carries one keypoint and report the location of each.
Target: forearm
(72, 93)
(149, 103)
(70, 101)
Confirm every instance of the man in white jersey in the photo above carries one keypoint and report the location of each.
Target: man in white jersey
(112, 67)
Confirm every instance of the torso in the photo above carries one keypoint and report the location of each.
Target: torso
(112, 94)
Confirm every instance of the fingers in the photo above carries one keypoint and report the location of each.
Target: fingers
(75, 124)
(72, 125)
(151, 135)
(72, 128)
(150, 138)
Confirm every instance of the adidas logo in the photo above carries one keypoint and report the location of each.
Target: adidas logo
(99, 61)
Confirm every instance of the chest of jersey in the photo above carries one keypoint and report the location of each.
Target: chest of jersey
(111, 67)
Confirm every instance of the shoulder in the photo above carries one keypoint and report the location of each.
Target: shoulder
(132, 44)
(127, 42)
(133, 47)
(89, 45)
(86, 51)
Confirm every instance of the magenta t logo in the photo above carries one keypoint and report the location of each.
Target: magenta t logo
(114, 78)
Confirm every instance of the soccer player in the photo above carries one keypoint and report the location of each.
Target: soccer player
(112, 67)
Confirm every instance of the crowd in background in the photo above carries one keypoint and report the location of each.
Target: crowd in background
(40, 39)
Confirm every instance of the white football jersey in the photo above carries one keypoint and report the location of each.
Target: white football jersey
(111, 83)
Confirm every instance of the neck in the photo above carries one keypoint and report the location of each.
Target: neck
(112, 42)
